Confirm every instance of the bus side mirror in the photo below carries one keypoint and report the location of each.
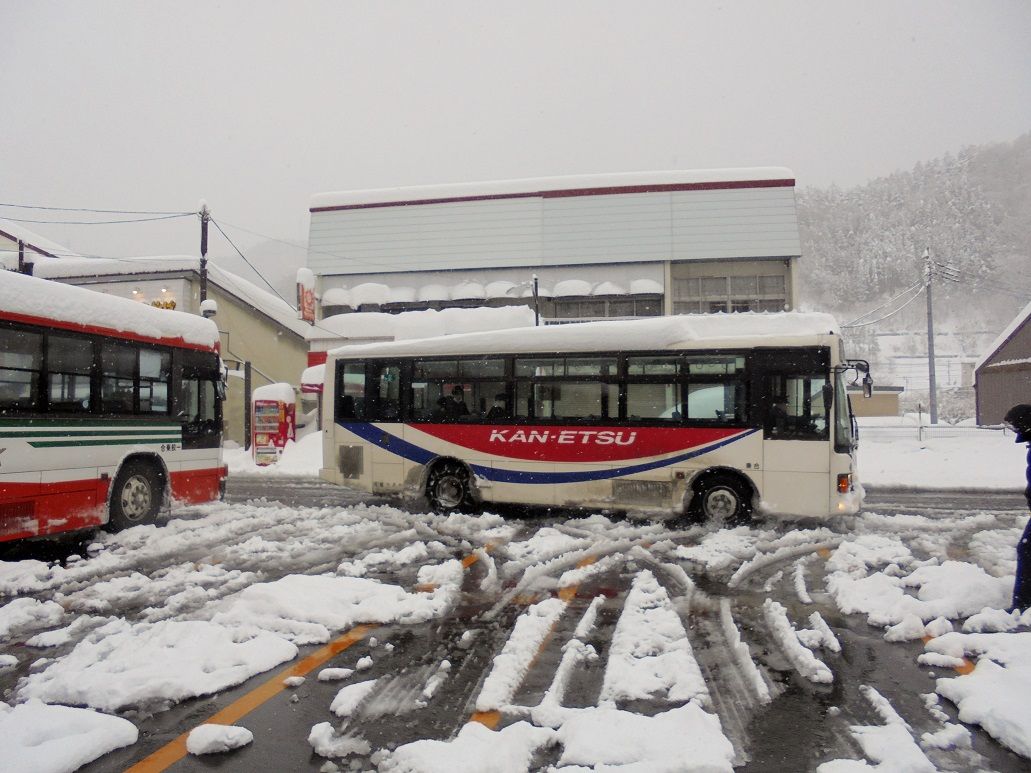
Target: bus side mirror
(828, 393)
(867, 386)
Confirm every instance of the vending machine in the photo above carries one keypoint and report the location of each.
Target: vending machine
(273, 421)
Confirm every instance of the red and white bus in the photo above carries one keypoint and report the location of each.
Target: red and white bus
(109, 409)
(709, 415)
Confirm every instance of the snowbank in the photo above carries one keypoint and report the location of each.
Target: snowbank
(36, 738)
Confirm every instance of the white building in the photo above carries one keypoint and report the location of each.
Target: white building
(619, 245)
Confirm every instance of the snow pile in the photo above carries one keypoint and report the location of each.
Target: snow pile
(26, 614)
(511, 664)
(328, 743)
(721, 549)
(212, 739)
(308, 609)
(474, 750)
(951, 590)
(386, 559)
(348, 698)
(687, 738)
(650, 656)
(302, 457)
(801, 657)
(994, 694)
(122, 665)
(36, 738)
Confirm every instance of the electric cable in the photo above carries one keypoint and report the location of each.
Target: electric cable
(99, 222)
(889, 314)
(86, 209)
(888, 302)
(244, 258)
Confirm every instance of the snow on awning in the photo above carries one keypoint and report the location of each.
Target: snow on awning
(403, 294)
(433, 292)
(501, 289)
(370, 293)
(608, 288)
(336, 296)
(468, 291)
(572, 287)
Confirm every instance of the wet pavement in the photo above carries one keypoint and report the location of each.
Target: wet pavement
(802, 725)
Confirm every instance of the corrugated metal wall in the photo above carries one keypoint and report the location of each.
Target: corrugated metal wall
(1004, 380)
(566, 230)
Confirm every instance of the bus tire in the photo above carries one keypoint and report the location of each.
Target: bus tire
(448, 489)
(721, 498)
(136, 495)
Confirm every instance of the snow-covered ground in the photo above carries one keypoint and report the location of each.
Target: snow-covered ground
(154, 616)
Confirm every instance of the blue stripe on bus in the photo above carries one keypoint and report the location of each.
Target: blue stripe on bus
(419, 455)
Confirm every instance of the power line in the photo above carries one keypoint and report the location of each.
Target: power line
(889, 314)
(885, 304)
(244, 258)
(99, 222)
(85, 209)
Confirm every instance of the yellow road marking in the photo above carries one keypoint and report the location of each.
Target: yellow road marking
(175, 750)
(488, 719)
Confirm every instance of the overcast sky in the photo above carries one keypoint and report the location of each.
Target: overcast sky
(256, 106)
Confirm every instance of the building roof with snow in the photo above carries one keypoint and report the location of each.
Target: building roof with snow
(11, 233)
(112, 269)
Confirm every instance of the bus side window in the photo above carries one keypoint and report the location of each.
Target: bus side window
(797, 407)
(350, 391)
(21, 365)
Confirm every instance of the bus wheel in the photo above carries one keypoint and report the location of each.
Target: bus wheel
(135, 497)
(722, 499)
(448, 488)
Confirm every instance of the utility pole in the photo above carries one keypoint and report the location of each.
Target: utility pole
(932, 385)
(205, 216)
(536, 302)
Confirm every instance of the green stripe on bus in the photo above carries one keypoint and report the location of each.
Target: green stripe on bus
(132, 441)
(64, 421)
(89, 433)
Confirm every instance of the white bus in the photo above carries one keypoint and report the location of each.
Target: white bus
(109, 409)
(711, 416)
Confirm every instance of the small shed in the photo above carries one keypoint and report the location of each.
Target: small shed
(883, 402)
(1002, 377)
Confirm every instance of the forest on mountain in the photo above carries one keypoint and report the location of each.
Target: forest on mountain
(863, 246)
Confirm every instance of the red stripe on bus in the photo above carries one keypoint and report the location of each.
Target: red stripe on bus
(36, 509)
(575, 443)
(78, 327)
(196, 486)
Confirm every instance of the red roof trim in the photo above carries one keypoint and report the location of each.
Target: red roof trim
(78, 327)
(571, 192)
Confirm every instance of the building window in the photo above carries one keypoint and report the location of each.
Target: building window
(714, 294)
